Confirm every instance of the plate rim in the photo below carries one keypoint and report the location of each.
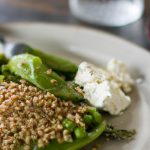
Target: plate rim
(80, 27)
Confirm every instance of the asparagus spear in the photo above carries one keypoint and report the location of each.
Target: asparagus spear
(112, 133)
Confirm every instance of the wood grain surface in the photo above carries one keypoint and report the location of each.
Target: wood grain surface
(33, 10)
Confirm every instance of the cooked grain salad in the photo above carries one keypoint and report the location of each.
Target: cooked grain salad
(28, 114)
(41, 108)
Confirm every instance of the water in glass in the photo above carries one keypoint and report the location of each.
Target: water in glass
(107, 12)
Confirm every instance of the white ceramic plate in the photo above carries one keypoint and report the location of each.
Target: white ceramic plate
(82, 44)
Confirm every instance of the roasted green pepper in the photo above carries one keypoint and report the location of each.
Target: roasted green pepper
(33, 70)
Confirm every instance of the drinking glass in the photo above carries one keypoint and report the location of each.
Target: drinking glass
(107, 12)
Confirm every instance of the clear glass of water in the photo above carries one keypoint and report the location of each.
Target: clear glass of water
(107, 12)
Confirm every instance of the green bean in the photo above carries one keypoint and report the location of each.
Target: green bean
(68, 124)
(80, 132)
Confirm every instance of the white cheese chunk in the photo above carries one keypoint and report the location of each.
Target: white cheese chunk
(103, 88)
(89, 73)
(120, 74)
(106, 96)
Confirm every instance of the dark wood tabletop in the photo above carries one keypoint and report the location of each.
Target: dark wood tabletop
(58, 11)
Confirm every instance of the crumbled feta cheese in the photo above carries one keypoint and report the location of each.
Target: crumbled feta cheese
(120, 74)
(103, 88)
(106, 96)
(89, 73)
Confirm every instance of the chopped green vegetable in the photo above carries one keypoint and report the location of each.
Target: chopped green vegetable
(68, 124)
(96, 115)
(80, 132)
(88, 119)
(32, 69)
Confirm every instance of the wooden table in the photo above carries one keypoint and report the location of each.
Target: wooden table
(58, 11)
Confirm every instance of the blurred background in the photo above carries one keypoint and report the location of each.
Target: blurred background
(77, 12)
